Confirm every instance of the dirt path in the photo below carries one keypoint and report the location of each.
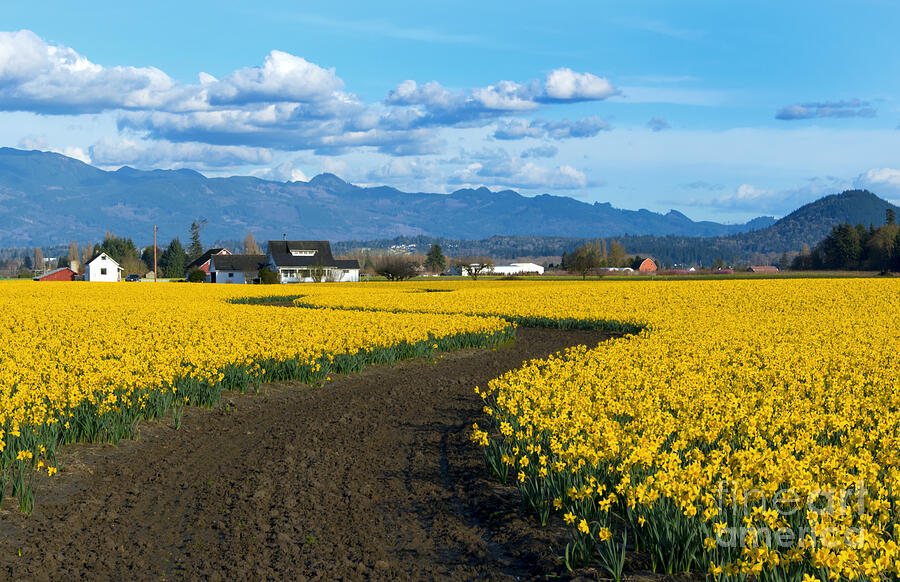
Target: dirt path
(368, 477)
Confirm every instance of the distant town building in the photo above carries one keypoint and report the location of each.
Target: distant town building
(61, 274)
(518, 269)
(102, 268)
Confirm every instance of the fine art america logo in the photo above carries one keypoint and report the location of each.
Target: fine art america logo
(823, 518)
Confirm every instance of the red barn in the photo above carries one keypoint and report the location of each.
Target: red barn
(202, 262)
(648, 266)
(63, 274)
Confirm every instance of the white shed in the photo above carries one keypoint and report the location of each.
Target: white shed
(235, 269)
(102, 268)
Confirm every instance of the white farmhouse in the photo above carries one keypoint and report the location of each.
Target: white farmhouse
(238, 269)
(518, 269)
(102, 268)
(300, 261)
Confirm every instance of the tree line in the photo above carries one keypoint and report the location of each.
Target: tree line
(171, 260)
(856, 248)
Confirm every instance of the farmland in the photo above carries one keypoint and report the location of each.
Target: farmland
(713, 436)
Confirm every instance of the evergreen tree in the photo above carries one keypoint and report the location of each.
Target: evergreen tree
(436, 262)
(195, 249)
(890, 217)
(174, 260)
(117, 248)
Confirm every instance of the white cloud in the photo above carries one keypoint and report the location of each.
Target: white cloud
(40, 143)
(37, 76)
(284, 172)
(148, 154)
(283, 77)
(512, 129)
(567, 85)
(882, 181)
(495, 167)
(404, 168)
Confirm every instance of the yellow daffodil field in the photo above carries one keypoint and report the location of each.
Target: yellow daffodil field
(736, 429)
(85, 361)
(745, 429)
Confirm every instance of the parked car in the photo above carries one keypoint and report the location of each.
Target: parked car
(133, 278)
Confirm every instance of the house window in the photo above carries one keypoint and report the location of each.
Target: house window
(230, 275)
(301, 253)
(102, 270)
(346, 271)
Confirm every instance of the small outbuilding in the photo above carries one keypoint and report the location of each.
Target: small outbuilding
(518, 269)
(102, 268)
(237, 269)
(61, 274)
(767, 269)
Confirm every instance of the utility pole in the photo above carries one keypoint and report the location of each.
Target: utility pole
(155, 272)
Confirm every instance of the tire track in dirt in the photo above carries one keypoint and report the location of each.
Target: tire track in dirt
(370, 477)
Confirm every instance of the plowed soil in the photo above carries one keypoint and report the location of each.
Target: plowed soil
(370, 476)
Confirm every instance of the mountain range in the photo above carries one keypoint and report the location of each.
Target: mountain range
(47, 198)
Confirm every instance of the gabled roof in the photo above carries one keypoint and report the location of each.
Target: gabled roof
(205, 257)
(100, 254)
(53, 272)
(243, 263)
(280, 251)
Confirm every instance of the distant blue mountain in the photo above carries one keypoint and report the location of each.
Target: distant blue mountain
(48, 198)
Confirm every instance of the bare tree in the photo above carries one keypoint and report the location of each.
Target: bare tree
(397, 267)
(73, 253)
(86, 252)
(251, 247)
(38, 260)
(474, 266)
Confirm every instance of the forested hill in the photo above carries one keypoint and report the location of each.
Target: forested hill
(812, 222)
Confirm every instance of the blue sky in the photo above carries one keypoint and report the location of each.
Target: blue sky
(723, 110)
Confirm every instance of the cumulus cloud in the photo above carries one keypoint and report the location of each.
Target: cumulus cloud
(284, 172)
(567, 85)
(151, 154)
(40, 143)
(283, 77)
(882, 181)
(658, 124)
(435, 104)
(820, 109)
(511, 129)
(54, 79)
(497, 168)
(542, 151)
(285, 103)
(402, 168)
(559, 129)
(753, 199)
